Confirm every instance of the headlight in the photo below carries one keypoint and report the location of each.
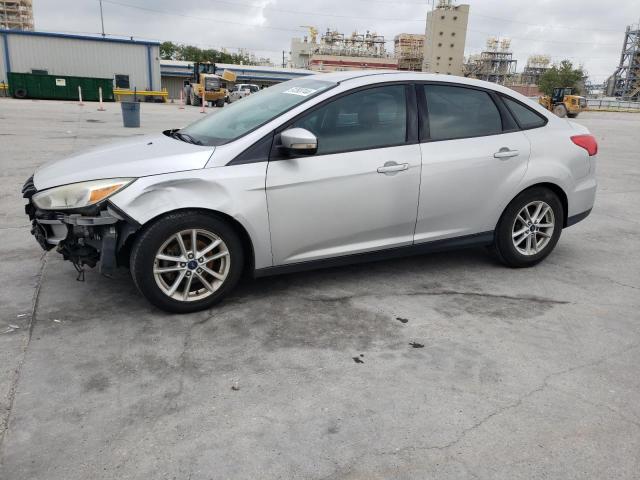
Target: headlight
(77, 195)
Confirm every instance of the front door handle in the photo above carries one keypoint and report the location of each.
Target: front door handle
(504, 152)
(393, 167)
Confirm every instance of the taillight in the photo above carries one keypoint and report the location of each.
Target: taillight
(588, 142)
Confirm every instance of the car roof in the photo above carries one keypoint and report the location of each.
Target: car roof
(400, 75)
(363, 77)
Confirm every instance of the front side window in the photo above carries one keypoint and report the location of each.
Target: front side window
(239, 118)
(371, 118)
(460, 112)
(525, 117)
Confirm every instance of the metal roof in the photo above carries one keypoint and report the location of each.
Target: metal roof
(73, 36)
(181, 67)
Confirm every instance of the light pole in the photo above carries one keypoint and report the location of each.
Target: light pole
(101, 17)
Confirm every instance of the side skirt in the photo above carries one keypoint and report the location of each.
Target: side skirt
(468, 241)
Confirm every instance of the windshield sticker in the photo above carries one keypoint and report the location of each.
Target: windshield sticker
(303, 92)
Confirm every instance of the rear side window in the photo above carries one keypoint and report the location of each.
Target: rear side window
(371, 118)
(459, 112)
(525, 117)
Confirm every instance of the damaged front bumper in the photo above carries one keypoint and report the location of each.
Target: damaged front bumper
(90, 237)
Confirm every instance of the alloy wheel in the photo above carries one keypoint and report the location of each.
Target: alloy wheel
(191, 265)
(533, 228)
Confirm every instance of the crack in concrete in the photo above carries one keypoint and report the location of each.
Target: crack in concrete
(520, 400)
(347, 469)
(4, 424)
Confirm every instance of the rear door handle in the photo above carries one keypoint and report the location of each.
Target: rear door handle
(393, 167)
(504, 152)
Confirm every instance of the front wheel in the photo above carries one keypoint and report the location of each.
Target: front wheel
(529, 228)
(220, 103)
(186, 261)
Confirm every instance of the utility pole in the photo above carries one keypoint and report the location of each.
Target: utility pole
(101, 18)
(283, 62)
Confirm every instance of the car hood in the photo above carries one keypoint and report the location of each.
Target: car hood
(139, 157)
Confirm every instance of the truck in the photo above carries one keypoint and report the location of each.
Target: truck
(205, 81)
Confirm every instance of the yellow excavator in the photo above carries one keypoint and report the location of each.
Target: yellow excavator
(563, 103)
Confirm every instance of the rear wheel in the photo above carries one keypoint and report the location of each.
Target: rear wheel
(560, 110)
(572, 115)
(220, 102)
(187, 261)
(529, 228)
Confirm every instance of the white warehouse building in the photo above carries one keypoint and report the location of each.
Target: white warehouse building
(130, 63)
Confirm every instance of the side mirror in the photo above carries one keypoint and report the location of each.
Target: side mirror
(299, 140)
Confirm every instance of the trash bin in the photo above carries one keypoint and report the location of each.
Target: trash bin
(131, 114)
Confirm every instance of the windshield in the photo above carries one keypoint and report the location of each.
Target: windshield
(211, 83)
(239, 118)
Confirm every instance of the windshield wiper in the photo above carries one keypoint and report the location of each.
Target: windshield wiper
(185, 137)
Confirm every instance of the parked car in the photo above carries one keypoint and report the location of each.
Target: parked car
(324, 170)
(242, 90)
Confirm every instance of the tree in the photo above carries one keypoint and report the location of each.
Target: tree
(562, 75)
(190, 53)
(168, 50)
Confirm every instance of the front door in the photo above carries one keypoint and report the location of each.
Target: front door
(359, 192)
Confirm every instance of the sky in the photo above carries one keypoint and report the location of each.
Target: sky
(587, 32)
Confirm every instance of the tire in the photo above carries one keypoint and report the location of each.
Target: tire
(572, 115)
(519, 251)
(202, 289)
(560, 110)
(220, 103)
(20, 93)
(194, 100)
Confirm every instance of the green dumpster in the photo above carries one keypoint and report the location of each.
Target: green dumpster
(59, 87)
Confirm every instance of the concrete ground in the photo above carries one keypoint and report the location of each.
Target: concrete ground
(440, 366)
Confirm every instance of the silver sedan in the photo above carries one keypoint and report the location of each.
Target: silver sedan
(324, 170)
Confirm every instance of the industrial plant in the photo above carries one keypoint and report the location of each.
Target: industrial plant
(16, 14)
(625, 82)
(336, 51)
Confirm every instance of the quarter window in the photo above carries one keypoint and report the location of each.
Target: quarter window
(458, 112)
(372, 118)
(525, 117)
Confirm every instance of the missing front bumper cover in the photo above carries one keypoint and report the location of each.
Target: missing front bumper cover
(81, 239)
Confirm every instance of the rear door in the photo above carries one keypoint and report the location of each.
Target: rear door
(473, 158)
(359, 192)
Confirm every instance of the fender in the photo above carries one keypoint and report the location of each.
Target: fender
(237, 191)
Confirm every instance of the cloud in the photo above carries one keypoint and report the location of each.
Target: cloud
(588, 32)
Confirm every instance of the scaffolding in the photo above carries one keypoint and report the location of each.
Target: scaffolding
(16, 14)
(626, 79)
(537, 65)
(496, 64)
(409, 50)
(368, 44)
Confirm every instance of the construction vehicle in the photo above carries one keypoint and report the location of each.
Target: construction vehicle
(563, 103)
(205, 81)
